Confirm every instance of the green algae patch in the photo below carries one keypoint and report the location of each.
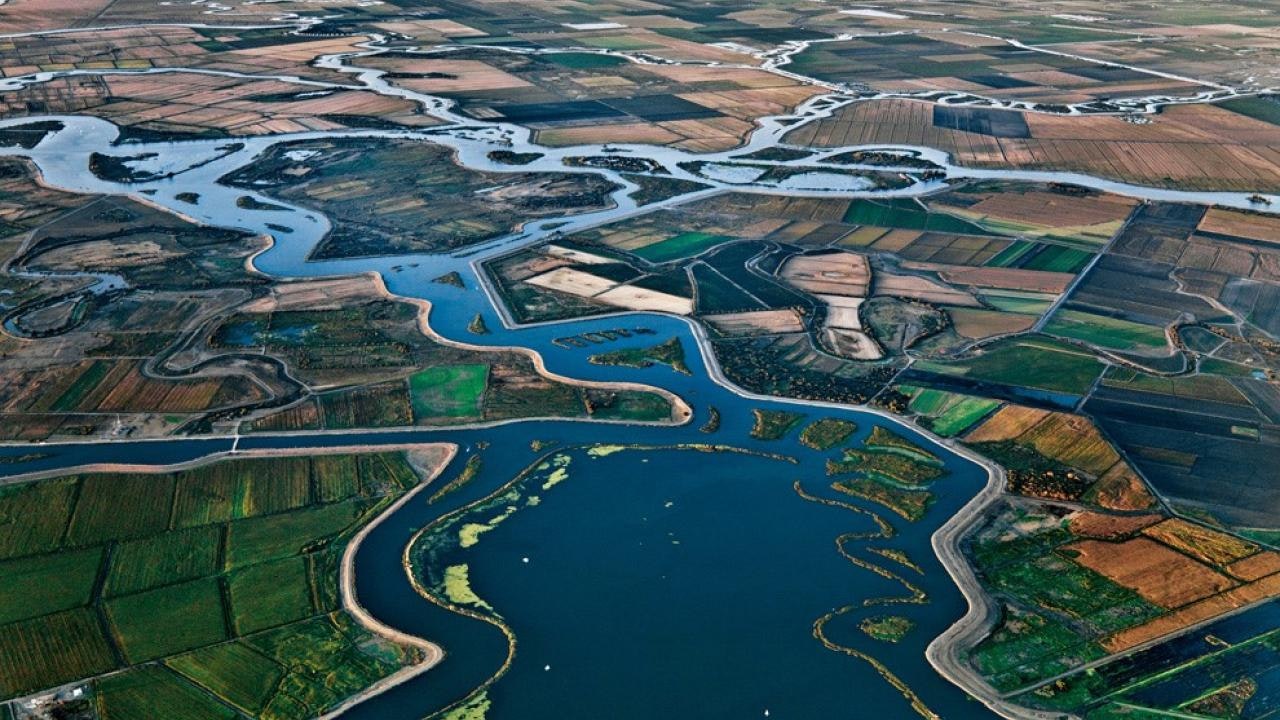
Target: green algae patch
(555, 478)
(887, 628)
(457, 587)
(598, 451)
(470, 533)
(559, 470)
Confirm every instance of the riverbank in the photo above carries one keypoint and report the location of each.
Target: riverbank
(430, 467)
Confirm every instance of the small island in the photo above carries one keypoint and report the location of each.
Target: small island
(669, 353)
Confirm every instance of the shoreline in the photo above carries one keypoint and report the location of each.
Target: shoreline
(433, 654)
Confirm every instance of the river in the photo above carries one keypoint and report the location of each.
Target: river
(660, 581)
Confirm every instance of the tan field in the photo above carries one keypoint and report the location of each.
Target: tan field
(574, 282)
(1196, 612)
(1208, 545)
(763, 322)
(1256, 566)
(977, 324)
(315, 294)
(1265, 228)
(842, 273)
(634, 298)
(919, 288)
(1008, 423)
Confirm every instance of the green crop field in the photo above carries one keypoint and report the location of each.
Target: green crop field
(229, 491)
(154, 691)
(98, 517)
(43, 584)
(1106, 332)
(83, 385)
(34, 516)
(168, 620)
(163, 559)
(1057, 258)
(907, 214)
(259, 539)
(448, 392)
(337, 477)
(249, 553)
(269, 594)
(233, 671)
(1010, 255)
(949, 414)
(585, 61)
(1039, 364)
(680, 246)
(51, 650)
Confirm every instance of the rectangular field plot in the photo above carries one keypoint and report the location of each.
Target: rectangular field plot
(51, 650)
(168, 620)
(449, 392)
(155, 690)
(43, 584)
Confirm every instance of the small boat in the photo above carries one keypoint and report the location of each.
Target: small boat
(1259, 199)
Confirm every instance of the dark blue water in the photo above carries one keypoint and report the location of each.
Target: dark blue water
(632, 623)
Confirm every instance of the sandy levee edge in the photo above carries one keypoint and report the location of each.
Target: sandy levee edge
(429, 469)
(946, 653)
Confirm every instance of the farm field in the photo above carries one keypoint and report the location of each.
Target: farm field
(1206, 147)
(571, 98)
(987, 67)
(210, 634)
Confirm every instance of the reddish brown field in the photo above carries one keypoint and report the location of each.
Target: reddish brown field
(1196, 612)
(1256, 566)
(1103, 526)
(1163, 576)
